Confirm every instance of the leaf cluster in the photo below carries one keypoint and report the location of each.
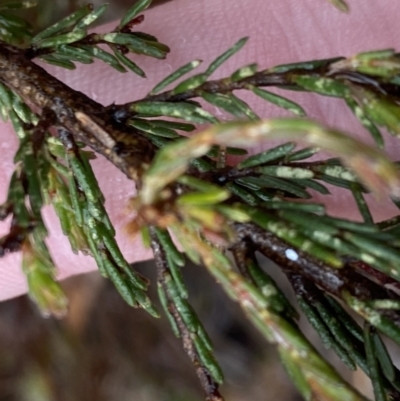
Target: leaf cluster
(67, 41)
(188, 193)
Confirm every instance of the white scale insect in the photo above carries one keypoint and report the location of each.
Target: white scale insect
(291, 254)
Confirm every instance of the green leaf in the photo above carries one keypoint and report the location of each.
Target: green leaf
(12, 21)
(224, 56)
(336, 171)
(338, 182)
(244, 72)
(348, 322)
(362, 206)
(128, 63)
(187, 313)
(301, 154)
(307, 65)
(147, 126)
(58, 61)
(197, 184)
(85, 157)
(379, 109)
(312, 184)
(6, 98)
(174, 125)
(75, 53)
(384, 63)
(183, 110)
(43, 289)
(244, 107)
(276, 183)
(267, 156)
(349, 225)
(208, 360)
(89, 186)
(381, 322)
(75, 201)
(34, 184)
(147, 37)
(278, 101)
(175, 75)
(375, 374)
(116, 254)
(63, 39)
(340, 334)
(234, 212)
(159, 141)
(201, 165)
(187, 247)
(224, 102)
(285, 172)
(383, 357)
(14, 30)
(164, 303)
(242, 193)
(190, 83)
(341, 5)
(23, 111)
(137, 8)
(375, 54)
(378, 249)
(65, 23)
(295, 373)
(366, 122)
(276, 299)
(137, 45)
(16, 197)
(324, 86)
(294, 237)
(303, 219)
(323, 331)
(17, 124)
(121, 283)
(204, 198)
(169, 247)
(90, 18)
(304, 207)
(177, 276)
(102, 55)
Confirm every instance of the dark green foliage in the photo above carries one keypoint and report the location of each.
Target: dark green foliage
(188, 193)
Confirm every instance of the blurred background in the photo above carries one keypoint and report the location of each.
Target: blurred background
(104, 350)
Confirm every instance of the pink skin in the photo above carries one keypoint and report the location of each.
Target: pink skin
(280, 32)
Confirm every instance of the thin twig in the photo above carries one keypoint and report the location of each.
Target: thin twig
(209, 385)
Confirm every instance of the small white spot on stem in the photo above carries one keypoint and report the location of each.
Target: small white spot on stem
(291, 254)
